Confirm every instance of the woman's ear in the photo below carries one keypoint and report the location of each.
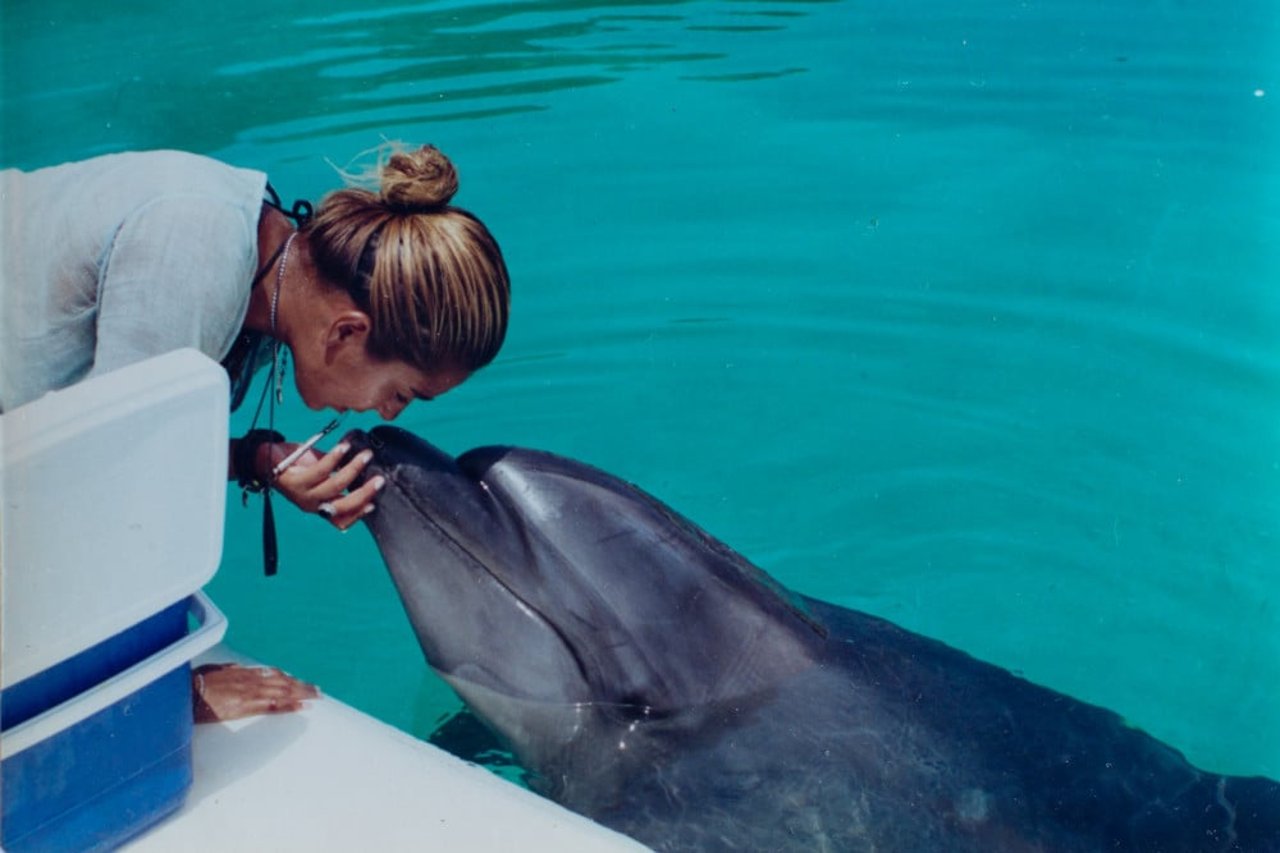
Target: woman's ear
(349, 328)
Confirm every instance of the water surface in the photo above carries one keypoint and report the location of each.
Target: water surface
(965, 317)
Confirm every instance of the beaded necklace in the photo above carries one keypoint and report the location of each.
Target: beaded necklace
(277, 360)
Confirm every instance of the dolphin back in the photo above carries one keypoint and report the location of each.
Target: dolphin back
(1032, 765)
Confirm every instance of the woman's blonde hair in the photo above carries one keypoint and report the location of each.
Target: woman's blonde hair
(429, 275)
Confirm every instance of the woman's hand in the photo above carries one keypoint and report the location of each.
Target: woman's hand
(228, 691)
(316, 483)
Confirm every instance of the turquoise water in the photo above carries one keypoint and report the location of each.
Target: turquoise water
(966, 316)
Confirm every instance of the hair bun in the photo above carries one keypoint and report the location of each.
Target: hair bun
(418, 181)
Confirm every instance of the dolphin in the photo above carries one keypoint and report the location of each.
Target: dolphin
(647, 676)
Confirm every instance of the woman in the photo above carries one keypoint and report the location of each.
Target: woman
(382, 297)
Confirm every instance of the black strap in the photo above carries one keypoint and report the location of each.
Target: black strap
(266, 268)
(242, 358)
(300, 212)
(270, 550)
(247, 448)
(242, 463)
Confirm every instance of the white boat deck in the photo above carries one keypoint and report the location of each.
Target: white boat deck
(332, 778)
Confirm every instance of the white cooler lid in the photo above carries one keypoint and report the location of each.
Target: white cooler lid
(112, 496)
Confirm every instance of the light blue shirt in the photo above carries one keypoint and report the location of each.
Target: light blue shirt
(113, 260)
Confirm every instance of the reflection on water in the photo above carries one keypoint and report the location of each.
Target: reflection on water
(356, 70)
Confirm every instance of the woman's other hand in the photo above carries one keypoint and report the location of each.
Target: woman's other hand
(319, 482)
(228, 691)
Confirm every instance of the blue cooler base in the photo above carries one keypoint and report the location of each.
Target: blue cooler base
(110, 776)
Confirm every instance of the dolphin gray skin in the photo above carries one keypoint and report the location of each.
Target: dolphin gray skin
(648, 677)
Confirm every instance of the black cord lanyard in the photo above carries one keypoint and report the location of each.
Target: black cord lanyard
(300, 211)
(248, 446)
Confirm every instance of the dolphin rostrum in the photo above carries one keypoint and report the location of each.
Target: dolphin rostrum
(649, 677)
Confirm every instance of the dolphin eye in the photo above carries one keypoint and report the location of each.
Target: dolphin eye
(634, 707)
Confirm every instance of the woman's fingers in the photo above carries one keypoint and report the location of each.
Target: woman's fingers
(347, 474)
(347, 510)
(313, 470)
(319, 482)
(323, 479)
(311, 483)
(231, 691)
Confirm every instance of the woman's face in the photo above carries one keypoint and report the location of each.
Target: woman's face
(352, 379)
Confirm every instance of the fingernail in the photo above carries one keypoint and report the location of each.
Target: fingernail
(365, 457)
(342, 449)
(379, 482)
(368, 509)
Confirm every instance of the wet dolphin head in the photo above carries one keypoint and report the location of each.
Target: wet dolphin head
(532, 577)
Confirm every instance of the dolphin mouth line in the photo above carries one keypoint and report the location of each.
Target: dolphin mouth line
(409, 496)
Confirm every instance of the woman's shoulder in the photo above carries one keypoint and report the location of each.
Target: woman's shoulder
(172, 164)
(163, 160)
(141, 175)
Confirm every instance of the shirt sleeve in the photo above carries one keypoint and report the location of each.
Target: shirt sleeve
(177, 274)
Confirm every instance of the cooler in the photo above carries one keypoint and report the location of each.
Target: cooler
(113, 494)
